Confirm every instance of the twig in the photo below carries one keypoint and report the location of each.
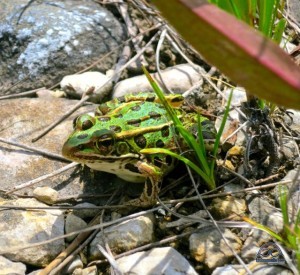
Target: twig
(39, 151)
(67, 114)
(32, 92)
(266, 186)
(110, 259)
(35, 181)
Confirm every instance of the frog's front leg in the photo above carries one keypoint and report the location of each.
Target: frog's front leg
(153, 177)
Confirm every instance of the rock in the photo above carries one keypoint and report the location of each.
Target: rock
(208, 247)
(85, 213)
(250, 249)
(73, 223)
(124, 236)
(75, 264)
(44, 41)
(9, 267)
(164, 260)
(45, 194)
(225, 207)
(264, 213)
(233, 121)
(179, 79)
(23, 119)
(91, 270)
(295, 122)
(76, 85)
(289, 149)
(24, 227)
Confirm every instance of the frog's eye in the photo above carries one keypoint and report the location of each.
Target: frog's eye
(85, 122)
(105, 141)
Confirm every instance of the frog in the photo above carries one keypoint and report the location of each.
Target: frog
(113, 138)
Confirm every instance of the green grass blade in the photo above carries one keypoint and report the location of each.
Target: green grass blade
(279, 29)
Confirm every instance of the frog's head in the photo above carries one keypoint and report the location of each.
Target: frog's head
(93, 140)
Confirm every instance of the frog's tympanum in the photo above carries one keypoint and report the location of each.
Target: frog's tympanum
(111, 140)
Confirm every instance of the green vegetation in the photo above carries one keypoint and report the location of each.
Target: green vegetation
(206, 165)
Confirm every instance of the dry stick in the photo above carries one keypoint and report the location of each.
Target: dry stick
(110, 259)
(32, 92)
(35, 181)
(131, 29)
(157, 58)
(85, 98)
(266, 186)
(52, 125)
(56, 269)
(39, 151)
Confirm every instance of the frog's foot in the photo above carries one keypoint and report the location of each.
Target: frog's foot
(151, 188)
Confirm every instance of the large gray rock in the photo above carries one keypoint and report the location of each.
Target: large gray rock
(158, 261)
(21, 228)
(46, 40)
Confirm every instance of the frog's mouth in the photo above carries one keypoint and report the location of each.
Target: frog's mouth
(87, 155)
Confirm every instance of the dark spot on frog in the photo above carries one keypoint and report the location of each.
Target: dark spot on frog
(104, 118)
(148, 187)
(115, 128)
(169, 160)
(136, 108)
(157, 162)
(132, 168)
(165, 132)
(176, 99)
(150, 98)
(118, 116)
(159, 143)
(82, 136)
(140, 141)
(135, 122)
(154, 115)
(87, 124)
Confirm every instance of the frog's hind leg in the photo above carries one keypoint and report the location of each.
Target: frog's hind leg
(151, 188)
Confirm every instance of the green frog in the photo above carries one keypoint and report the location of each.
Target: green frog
(111, 140)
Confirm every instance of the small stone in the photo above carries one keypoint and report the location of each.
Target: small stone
(124, 236)
(225, 207)
(9, 267)
(76, 85)
(45, 194)
(73, 265)
(88, 210)
(164, 260)
(208, 247)
(73, 223)
(250, 249)
(179, 79)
